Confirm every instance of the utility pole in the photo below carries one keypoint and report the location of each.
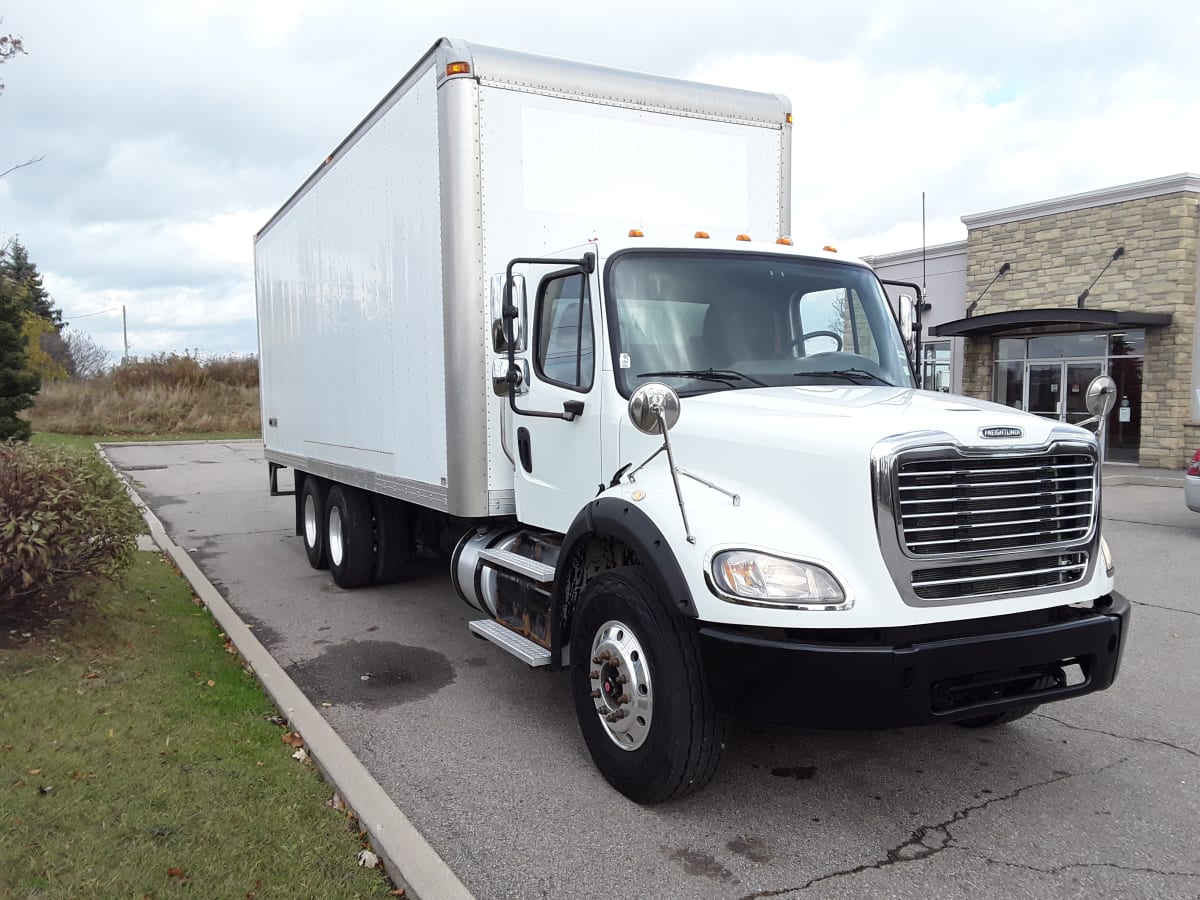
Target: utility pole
(125, 333)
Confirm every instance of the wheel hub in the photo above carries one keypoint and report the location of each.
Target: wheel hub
(336, 547)
(310, 521)
(620, 680)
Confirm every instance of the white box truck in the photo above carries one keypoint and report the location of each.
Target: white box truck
(543, 318)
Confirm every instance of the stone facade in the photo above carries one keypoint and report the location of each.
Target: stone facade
(1054, 257)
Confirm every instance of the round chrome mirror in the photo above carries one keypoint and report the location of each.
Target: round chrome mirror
(648, 402)
(1101, 395)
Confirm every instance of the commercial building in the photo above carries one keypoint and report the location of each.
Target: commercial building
(1041, 298)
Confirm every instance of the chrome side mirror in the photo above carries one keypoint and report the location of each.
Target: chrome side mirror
(500, 386)
(1100, 399)
(908, 319)
(652, 406)
(518, 327)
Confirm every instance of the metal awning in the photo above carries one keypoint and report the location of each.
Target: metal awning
(1014, 320)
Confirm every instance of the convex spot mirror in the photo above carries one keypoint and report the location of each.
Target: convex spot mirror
(651, 406)
(519, 301)
(1101, 396)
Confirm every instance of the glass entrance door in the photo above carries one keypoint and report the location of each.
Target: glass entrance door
(1078, 376)
(1058, 390)
(1044, 381)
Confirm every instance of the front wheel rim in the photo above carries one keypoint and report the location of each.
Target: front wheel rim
(336, 541)
(620, 685)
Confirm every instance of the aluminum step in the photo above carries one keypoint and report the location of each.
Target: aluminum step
(522, 565)
(518, 645)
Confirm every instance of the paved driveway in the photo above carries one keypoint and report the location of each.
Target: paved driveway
(1097, 797)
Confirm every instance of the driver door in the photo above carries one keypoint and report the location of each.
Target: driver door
(558, 462)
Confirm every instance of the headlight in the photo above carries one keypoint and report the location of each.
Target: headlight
(762, 578)
(1106, 555)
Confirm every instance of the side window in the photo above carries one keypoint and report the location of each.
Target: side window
(565, 350)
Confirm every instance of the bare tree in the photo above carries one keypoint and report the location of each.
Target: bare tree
(89, 359)
(10, 46)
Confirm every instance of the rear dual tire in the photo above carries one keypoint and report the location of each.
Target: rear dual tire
(362, 538)
(350, 536)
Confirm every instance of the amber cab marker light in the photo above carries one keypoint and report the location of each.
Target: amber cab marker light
(829, 248)
(743, 237)
(788, 118)
(785, 240)
(458, 68)
(701, 234)
(636, 232)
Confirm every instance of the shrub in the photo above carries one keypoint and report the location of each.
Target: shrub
(64, 518)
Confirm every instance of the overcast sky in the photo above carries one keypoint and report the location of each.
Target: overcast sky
(171, 131)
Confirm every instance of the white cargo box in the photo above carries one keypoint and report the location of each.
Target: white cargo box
(372, 280)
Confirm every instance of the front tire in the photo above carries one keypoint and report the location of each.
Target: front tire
(640, 696)
(991, 720)
(350, 535)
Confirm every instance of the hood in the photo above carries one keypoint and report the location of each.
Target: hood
(850, 418)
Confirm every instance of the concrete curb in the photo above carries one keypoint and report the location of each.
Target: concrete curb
(408, 858)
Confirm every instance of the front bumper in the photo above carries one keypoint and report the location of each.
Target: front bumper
(914, 676)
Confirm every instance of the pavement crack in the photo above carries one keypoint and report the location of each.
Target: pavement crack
(1189, 612)
(926, 840)
(1058, 870)
(1126, 737)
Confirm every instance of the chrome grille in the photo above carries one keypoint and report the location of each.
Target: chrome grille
(963, 582)
(954, 505)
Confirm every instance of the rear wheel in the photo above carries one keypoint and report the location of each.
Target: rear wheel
(393, 539)
(640, 696)
(312, 510)
(350, 536)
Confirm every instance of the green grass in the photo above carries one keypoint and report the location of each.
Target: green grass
(87, 441)
(134, 747)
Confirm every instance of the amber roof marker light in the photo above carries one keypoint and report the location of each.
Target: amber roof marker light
(701, 234)
(785, 240)
(636, 232)
(458, 68)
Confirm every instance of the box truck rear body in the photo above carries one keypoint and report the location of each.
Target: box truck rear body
(372, 280)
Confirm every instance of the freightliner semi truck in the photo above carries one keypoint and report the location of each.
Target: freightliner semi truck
(543, 320)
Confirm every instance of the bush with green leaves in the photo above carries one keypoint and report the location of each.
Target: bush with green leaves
(65, 520)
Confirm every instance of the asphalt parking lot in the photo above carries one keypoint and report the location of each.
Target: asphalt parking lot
(1095, 797)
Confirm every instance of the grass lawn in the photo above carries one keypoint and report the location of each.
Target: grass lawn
(137, 760)
(88, 441)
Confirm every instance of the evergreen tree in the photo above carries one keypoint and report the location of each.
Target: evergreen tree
(17, 383)
(31, 294)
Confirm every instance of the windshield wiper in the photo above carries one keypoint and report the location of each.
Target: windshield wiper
(723, 375)
(855, 375)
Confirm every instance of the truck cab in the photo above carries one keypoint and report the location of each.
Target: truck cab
(744, 506)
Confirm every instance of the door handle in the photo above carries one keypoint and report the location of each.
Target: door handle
(524, 450)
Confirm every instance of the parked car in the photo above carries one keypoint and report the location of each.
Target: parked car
(1191, 490)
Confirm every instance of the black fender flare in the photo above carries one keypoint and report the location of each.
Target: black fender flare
(618, 518)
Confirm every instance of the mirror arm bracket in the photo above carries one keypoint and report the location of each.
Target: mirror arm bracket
(586, 264)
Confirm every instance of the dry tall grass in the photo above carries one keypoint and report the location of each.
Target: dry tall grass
(165, 394)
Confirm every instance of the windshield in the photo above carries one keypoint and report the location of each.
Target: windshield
(709, 321)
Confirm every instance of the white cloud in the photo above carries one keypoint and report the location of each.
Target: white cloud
(172, 131)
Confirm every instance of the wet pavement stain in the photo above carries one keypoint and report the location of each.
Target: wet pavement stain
(800, 773)
(752, 848)
(373, 674)
(697, 863)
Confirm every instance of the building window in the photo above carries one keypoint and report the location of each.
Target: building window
(935, 366)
